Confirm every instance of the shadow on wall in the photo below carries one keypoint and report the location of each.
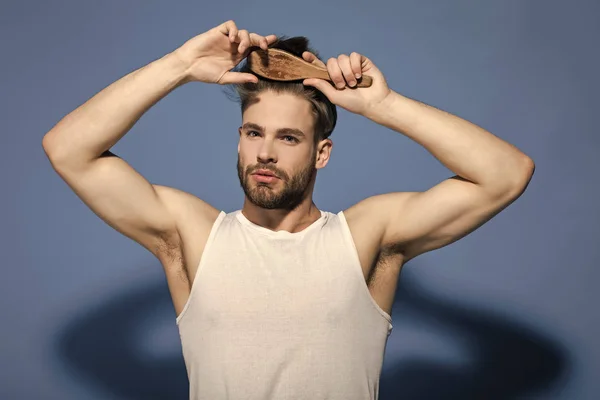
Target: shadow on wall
(509, 359)
(101, 347)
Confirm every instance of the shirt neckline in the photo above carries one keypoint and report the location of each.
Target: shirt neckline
(280, 234)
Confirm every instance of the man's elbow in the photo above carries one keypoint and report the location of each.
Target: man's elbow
(523, 177)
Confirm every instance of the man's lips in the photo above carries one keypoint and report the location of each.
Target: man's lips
(264, 172)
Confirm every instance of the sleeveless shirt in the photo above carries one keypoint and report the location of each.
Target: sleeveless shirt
(281, 315)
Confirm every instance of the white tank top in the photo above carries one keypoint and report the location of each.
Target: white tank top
(280, 315)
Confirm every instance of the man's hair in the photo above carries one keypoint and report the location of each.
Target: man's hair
(324, 111)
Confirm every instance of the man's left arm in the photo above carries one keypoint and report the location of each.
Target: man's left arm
(490, 173)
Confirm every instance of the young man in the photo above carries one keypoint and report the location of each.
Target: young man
(280, 299)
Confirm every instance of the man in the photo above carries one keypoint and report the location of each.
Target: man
(280, 299)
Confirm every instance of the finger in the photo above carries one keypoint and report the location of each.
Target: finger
(344, 63)
(324, 86)
(230, 29)
(271, 39)
(311, 58)
(335, 73)
(308, 56)
(230, 77)
(259, 41)
(244, 40)
(356, 64)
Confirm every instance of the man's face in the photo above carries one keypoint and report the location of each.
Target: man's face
(277, 136)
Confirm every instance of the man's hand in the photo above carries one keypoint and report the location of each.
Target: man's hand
(210, 56)
(344, 71)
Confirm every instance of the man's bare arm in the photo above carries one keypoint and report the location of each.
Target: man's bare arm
(78, 147)
(490, 173)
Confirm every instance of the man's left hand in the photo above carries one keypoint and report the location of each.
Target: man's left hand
(344, 71)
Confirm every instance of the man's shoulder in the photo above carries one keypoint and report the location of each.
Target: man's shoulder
(375, 210)
(190, 212)
(369, 218)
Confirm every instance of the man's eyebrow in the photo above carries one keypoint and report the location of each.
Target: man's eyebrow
(250, 125)
(292, 131)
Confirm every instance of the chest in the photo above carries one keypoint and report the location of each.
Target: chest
(282, 283)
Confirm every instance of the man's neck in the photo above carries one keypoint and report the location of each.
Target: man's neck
(279, 219)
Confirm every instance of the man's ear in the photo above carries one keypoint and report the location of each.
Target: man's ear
(323, 153)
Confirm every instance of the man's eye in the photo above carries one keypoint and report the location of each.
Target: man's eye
(292, 139)
(251, 132)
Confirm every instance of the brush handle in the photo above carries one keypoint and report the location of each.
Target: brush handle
(321, 73)
(280, 65)
(364, 81)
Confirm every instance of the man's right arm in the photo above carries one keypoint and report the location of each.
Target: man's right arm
(79, 145)
(78, 149)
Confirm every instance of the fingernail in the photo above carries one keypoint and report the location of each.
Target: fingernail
(357, 76)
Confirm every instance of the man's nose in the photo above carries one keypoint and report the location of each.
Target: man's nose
(266, 153)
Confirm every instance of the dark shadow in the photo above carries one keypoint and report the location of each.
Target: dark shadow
(509, 359)
(100, 346)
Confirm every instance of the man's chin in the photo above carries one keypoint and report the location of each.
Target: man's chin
(266, 203)
(262, 188)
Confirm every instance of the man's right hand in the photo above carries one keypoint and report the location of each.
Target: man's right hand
(211, 55)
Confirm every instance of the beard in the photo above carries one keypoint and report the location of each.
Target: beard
(265, 195)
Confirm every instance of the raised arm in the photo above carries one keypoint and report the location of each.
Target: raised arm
(490, 173)
(78, 147)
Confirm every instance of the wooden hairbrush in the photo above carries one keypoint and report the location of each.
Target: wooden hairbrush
(279, 65)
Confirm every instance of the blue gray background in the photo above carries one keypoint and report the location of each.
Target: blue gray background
(507, 312)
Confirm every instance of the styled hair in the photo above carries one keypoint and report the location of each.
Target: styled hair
(324, 111)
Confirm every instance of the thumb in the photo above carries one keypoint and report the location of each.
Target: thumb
(323, 86)
(229, 77)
